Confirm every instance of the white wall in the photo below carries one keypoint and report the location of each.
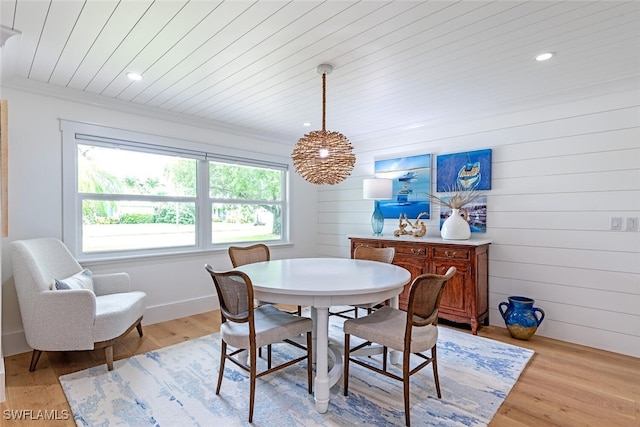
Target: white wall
(559, 173)
(176, 286)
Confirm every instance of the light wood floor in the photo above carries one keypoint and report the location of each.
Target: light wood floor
(564, 384)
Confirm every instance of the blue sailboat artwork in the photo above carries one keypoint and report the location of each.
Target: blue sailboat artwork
(469, 175)
(469, 170)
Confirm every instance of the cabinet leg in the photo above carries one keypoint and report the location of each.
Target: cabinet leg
(474, 326)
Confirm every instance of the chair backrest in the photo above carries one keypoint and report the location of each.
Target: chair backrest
(241, 255)
(235, 291)
(374, 254)
(424, 298)
(36, 263)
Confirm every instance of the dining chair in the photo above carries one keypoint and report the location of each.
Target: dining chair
(241, 255)
(372, 254)
(412, 332)
(245, 327)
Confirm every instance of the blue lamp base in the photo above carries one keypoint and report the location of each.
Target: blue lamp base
(377, 220)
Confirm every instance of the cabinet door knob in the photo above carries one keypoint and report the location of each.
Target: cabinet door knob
(450, 254)
(416, 251)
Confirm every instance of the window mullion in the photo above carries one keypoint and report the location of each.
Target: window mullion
(135, 197)
(203, 207)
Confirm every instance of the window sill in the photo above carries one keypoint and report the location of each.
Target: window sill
(172, 255)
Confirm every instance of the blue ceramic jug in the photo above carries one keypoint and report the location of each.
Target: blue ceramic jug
(520, 317)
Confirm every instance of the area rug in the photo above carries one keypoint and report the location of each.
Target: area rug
(175, 386)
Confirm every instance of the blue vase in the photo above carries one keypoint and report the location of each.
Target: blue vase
(521, 317)
(377, 220)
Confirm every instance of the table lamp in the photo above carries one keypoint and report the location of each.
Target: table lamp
(377, 189)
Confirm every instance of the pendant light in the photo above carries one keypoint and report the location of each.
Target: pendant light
(321, 156)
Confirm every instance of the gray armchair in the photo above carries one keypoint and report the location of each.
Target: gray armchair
(66, 308)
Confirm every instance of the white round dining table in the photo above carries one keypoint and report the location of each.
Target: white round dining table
(321, 283)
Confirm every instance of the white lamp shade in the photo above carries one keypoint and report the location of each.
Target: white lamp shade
(377, 189)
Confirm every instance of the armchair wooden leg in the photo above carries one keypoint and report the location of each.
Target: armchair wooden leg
(35, 356)
(108, 354)
(139, 328)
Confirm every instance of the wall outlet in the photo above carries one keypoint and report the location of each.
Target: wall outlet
(631, 223)
(615, 223)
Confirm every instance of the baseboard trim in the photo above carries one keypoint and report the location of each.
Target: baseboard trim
(15, 342)
(176, 310)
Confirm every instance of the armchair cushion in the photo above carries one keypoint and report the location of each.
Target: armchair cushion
(115, 313)
(81, 280)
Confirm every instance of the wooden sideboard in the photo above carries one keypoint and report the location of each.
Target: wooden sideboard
(466, 295)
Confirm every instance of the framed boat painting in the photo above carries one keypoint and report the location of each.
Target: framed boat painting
(475, 213)
(469, 170)
(411, 177)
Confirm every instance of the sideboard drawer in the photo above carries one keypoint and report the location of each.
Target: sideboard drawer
(452, 253)
(366, 243)
(414, 250)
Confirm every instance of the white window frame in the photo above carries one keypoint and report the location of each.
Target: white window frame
(74, 133)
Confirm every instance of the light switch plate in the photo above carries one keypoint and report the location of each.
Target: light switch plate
(632, 223)
(615, 223)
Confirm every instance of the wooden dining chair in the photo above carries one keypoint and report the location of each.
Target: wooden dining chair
(372, 254)
(241, 255)
(412, 332)
(245, 327)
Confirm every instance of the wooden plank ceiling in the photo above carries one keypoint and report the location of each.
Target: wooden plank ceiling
(251, 65)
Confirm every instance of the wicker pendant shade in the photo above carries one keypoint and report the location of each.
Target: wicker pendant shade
(321, 156)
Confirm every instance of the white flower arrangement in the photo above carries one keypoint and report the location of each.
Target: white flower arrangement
(455, 198)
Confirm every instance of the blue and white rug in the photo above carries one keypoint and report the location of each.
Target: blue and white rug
(175, 386)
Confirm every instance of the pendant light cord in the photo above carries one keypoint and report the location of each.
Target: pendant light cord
(324, 100)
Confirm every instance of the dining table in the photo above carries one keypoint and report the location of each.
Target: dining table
(321, 283)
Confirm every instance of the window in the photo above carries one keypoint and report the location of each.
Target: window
(246, 203)
(137, 196)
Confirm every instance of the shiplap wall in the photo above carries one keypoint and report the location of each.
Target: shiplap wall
(558, 174)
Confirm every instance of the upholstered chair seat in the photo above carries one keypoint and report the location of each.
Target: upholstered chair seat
(422, 339)
(271, 325)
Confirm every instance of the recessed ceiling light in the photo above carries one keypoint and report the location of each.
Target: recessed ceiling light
(306, 124)
(544, 56)
(134, 76)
